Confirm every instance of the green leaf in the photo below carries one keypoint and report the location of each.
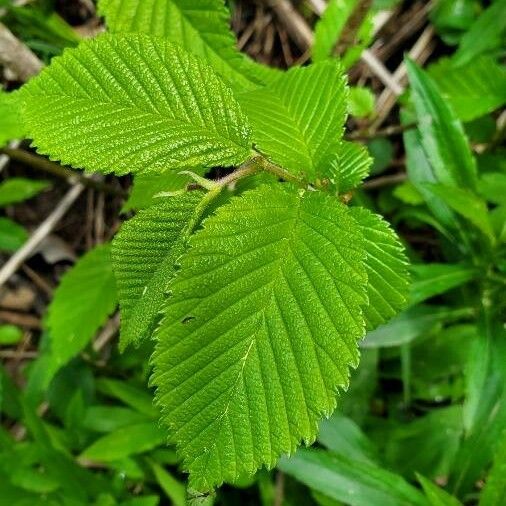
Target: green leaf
(436, 495)
(410, 325)
(343, 436)
(351, 166)
(298, 121)
(467, 204)
(330, 26)
(361, 102)
(492, 187)
(18, 189)
(9, 335)
(386, 265)
(147, 186)
(144, 255)
(201, 27)
(173, 489)
(131, 440)
(495, 486)
(442, 135)
(485, 34)
(260, 331)
(434, 279)
(11, 126)
(81, 304)
(351, 481)
(131, 103)
(132, 396)
(12, 235)
(472, 90)
(420, 172)
(110, 418)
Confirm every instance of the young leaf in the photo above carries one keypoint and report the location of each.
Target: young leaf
(12, 235)
(329, 27)
(386, 266)
(11, 126)
(144, 255)
(18, 189)
(201, 27)
(472, 90)
(132, 103)
(351, 166)
(361, 101)
(351, 481)
(298, 121)
(260, 330)
(81, 304)
(442, 135)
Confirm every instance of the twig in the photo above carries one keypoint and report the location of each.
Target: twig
(349, 34)
(389, 180)
(40, 163)
(363, 135)
(279, 491)
(302, 34)
(43, 230)
(16, 56)
(388, 97)
(21, 319)
(108, 332)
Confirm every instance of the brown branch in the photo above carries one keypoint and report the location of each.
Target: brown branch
(389, 180)
(364, 135)
(45, 165)
(348, 36)
(17, 57)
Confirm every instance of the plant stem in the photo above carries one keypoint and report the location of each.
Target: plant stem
(45, 165)
(364, 135)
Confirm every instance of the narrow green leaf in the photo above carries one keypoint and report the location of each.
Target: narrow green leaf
(132, 396)
(442, 135)
(352, 482)
(343, 436)
(132, 103)
(18, 189)
(12, 235)
(410, 325)
(131, 440)
(485, 34)
(386, 265)
(467, 204)
(421, 172)
(250, 353)
(472, 90)
(144, 255)
(201, 27)
(495, 487)
(111, 418)
(303, 136)
(436, 495)
(81, 304)
(434, 279)
(173, 489)
(492, 187)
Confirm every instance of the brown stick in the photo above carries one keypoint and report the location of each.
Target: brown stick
(17, 57)
(349, 34)
(45, 165)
